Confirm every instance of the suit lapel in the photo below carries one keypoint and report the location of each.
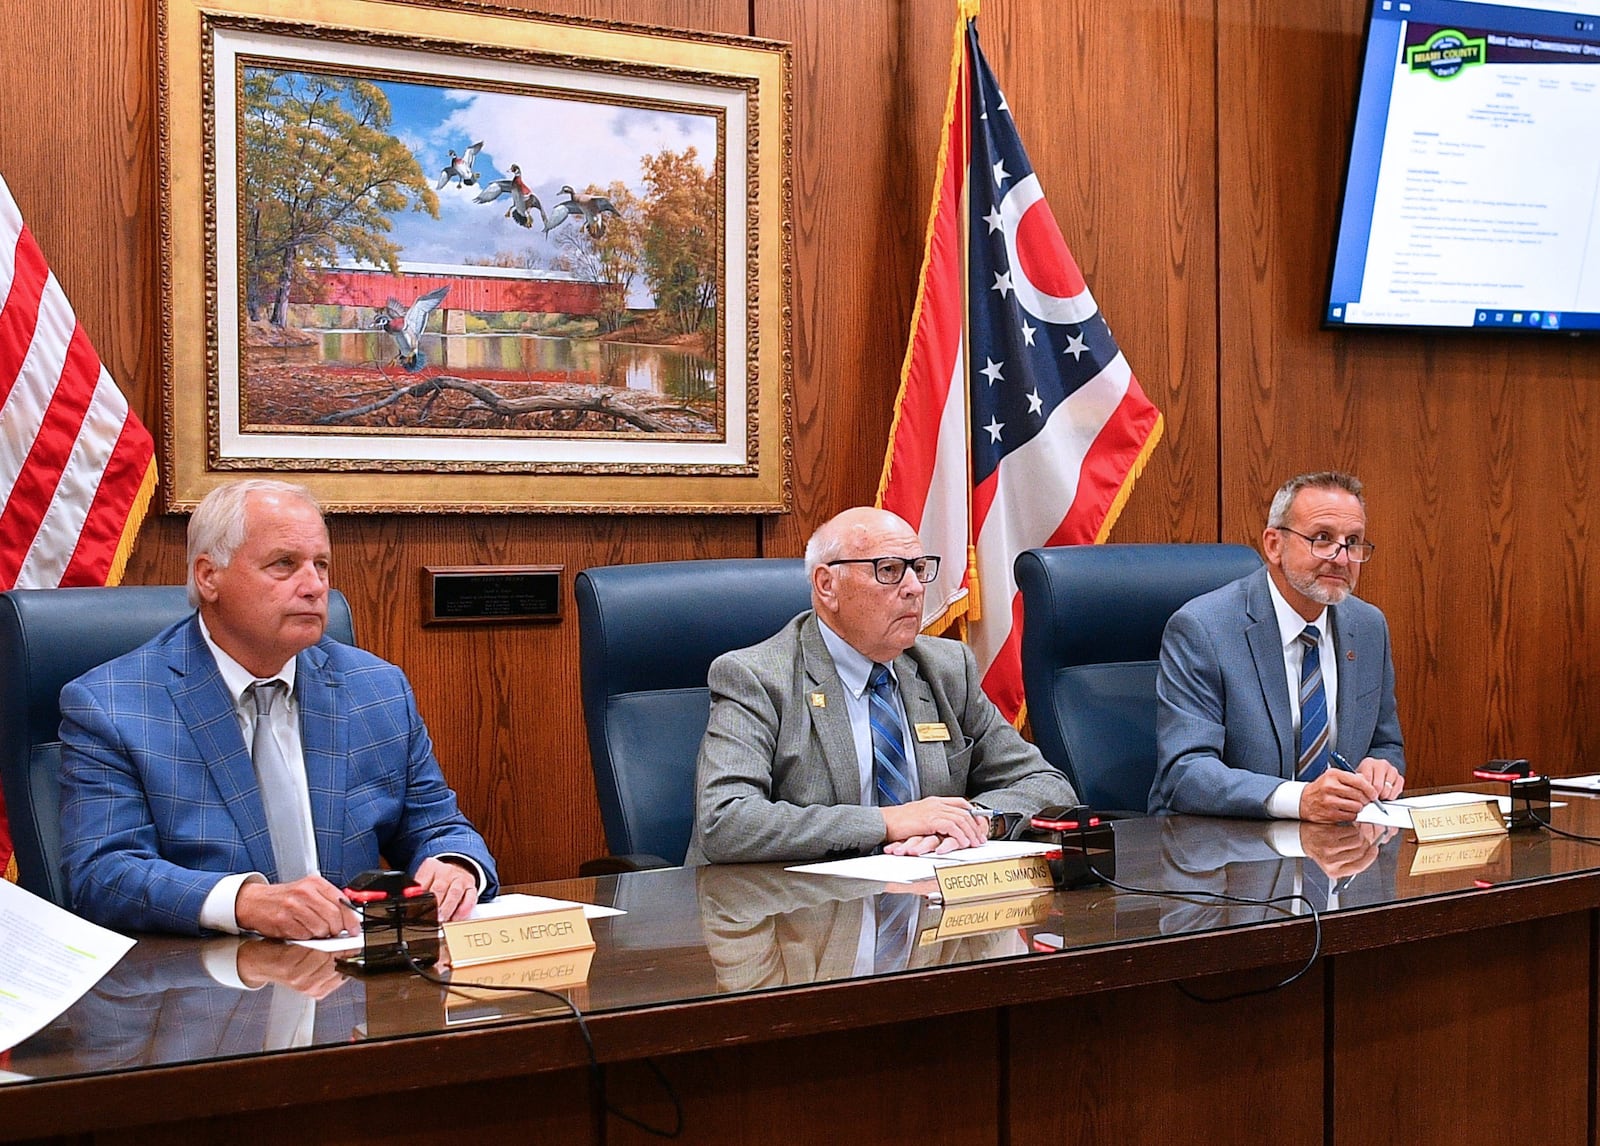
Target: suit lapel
(1344, 656)
(207, 711)
(933, 763)
(324, 732)
(831, 719)
(1266, 649)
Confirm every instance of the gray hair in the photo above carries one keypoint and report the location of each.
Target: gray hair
(1283, 500)
(218, 525)
(825, 545)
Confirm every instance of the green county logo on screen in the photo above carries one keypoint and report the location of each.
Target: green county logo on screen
(1445, 53)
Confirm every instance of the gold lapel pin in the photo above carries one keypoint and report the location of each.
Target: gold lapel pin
(819, 700)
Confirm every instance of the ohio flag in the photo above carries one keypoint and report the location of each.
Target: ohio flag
(1018, 423)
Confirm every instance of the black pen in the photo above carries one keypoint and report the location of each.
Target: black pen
(1339, 762)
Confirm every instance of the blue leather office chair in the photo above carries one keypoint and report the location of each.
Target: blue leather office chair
(47, 638)
(647, 636)
(1092, 622)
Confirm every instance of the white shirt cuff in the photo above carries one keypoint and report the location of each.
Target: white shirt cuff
(217, 912)
(1284, 836)
(1284, 803)
(472, 865)
(220, 958)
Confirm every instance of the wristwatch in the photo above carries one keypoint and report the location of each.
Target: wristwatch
(1003, 824)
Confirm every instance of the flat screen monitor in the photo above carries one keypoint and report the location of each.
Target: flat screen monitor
(1472, 193)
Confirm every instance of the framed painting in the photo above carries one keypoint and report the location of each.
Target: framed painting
(425, 257)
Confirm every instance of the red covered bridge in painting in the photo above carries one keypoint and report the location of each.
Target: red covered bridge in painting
(480, 290)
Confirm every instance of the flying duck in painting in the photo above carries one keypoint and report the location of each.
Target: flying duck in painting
(591, 207)
(405, 325)
(557, 215)
(460, 168)
(523, 201)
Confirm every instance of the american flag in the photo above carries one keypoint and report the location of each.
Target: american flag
(1019, 423)
(77, 468)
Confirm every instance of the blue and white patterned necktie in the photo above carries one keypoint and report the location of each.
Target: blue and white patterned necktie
(891, 774)
(1313, 760)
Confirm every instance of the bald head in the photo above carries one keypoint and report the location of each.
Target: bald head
(880, 621)
(852, 528)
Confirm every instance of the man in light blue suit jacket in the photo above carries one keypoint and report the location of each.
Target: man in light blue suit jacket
(1227, 724)
(164, 824)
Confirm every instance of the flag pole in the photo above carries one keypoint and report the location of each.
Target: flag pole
(968, 11)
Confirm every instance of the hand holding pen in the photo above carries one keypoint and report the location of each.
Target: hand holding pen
(1386, 780)
(1338, 795)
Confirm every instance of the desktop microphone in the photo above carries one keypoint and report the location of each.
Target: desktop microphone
(399, 922)
(1526, 790)
(1088, 844)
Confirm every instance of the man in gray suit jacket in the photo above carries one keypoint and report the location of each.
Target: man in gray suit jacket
(847, 731)
(1243, 666)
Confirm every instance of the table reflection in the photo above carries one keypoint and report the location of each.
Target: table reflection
(765, 927)
(1281, 867)
(171, 1001)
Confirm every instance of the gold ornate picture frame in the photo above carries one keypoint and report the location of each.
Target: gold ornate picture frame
(425, 257)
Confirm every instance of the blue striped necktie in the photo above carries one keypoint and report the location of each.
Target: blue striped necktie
(1313, 760)
(890, 772)
(896, 927)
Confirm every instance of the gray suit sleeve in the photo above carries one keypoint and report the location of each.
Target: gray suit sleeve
(740, 817)
(1190, 731)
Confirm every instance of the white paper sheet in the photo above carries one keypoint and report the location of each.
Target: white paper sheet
(512, 903)
(910, 869)
(48, 959)
(1397, 813)
(1576, 783)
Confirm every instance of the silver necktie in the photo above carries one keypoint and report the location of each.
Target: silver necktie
(293, 848)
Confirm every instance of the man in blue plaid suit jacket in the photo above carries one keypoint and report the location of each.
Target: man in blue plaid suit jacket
(164, 824)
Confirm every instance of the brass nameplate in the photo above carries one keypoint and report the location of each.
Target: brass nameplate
(984, 880)
(1457, 855)
(1458, 821)
(993, 915)
(932, 732)
(551, 972)
(492, 594)
(473, 999)
(475, 941)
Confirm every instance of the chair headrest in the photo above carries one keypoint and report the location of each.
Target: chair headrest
(660, 625)
(1098, 604)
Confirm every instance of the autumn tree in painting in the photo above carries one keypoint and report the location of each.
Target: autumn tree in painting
(321, 173)
(679, 241)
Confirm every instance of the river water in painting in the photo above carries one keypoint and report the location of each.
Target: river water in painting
(665, 370)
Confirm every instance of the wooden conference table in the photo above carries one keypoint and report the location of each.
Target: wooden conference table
(1455, 1000)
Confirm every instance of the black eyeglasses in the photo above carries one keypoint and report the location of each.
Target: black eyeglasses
(1327, 549)
(890, 570)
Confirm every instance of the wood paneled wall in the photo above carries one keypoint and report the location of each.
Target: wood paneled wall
(1191, 150)
(1479, 452)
